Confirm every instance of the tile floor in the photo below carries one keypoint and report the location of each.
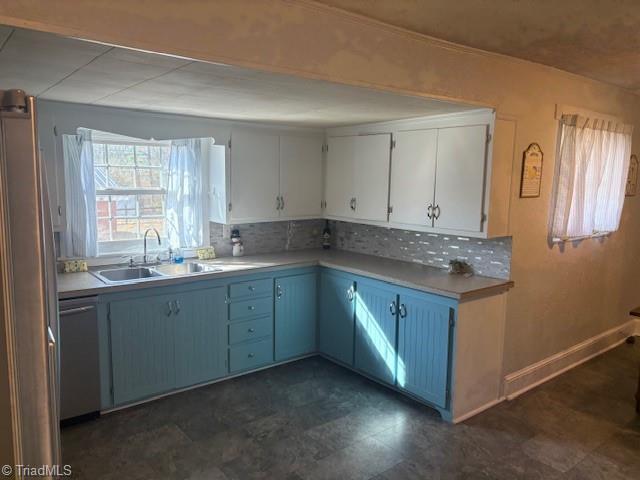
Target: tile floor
(312, 419)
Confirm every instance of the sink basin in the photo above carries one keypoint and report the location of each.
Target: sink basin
(127, 274)
(175, 269)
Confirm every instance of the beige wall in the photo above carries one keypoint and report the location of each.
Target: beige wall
(561, 297)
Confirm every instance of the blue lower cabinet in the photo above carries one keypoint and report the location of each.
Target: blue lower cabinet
(295, 315)
(375, 344)
(142, 347)
(200, 336)
(336, 316)
(247, 356)
(423, 347)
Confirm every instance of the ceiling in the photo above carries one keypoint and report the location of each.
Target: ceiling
(70, 70)
(599, 39)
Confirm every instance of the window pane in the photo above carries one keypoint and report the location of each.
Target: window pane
(151, 205)
(157, 223)
(98, 154)
(100, 177)
(103, 230)
(121, 155)
(155, 157)
(102, 206)
(121, 177)
(142, 155)
(124, 228)
(149, 178)
(165, 153)
(123, 206)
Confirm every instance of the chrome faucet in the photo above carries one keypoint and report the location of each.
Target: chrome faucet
(144, 258)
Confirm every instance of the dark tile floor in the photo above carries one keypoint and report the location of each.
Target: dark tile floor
(312, 419)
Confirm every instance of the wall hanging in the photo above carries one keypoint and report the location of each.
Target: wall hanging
(632, 177)
(531, 178)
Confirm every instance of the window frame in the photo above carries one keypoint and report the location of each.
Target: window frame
(118, 246)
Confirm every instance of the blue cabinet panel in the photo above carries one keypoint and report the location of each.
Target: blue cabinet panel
(375, 345)
(423, 347)
(335, 325)
(250, 330)
(251, 288)
(247, 356)
(142, 347)
(295, 315)
(200, 336)
(245, 309)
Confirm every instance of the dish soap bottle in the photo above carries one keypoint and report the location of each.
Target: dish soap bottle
(326, 236)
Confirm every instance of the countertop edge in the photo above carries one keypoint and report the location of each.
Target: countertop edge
(106, 289)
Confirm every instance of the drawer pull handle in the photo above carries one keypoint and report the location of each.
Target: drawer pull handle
(251, 288)
(251, 330)
(251, 355)
(251, 307)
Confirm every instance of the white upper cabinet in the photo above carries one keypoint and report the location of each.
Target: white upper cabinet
(273, 177)
(371, 192)
(340, 177)
(300, 177)
(413, 171)
(357, 177)
(460, 178)
(255, 176)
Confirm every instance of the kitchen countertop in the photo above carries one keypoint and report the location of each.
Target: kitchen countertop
(406, 274)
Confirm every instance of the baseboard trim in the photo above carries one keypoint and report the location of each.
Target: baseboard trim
(521, 381)
(478, 410)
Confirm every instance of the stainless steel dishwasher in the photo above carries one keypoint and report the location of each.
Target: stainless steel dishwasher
(79, 360)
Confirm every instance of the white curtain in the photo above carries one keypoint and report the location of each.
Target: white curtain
(184, 194)
(594, 161)
(82, 232)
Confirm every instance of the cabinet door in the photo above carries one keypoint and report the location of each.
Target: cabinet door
(339, 176)
(376, 330)
(371, 175)
(460, 178)
(423, 348)
(142, 347)
(301, 176)
(295, 316)
(413, 171)
(335, 326)
(200, 336)
(255, 176)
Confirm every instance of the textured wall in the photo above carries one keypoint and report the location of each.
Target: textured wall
(491, 258)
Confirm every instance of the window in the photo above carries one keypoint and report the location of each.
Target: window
(131, 194)
(593, 161)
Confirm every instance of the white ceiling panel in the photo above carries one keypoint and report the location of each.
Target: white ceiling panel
(72, 70)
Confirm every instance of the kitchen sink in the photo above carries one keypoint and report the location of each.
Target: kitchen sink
(136, 274)
(128, 274)
(175, 269)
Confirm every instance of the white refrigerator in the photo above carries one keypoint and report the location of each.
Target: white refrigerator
(28, 286)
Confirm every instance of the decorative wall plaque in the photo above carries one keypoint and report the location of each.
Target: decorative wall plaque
(632, 177)
(531, 178)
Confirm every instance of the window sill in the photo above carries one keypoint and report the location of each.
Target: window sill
(579, 239)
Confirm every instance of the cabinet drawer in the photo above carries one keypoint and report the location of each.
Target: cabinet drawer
(254, 288)
(251, 308)
(251, 329)
(250, 355)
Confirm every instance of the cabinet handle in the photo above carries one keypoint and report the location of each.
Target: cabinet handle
(251, 330)
(251, 307)
(436, 215)
(352, 203)
(251, 288)
(251, 355)
(403, 310)
(430, 212)
(350, 294)
(176, 304)
(59, 211)
(281, 202)
(169, 310)
(279, 291)
(392, 308)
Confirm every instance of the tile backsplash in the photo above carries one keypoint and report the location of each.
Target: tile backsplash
(490, 258)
